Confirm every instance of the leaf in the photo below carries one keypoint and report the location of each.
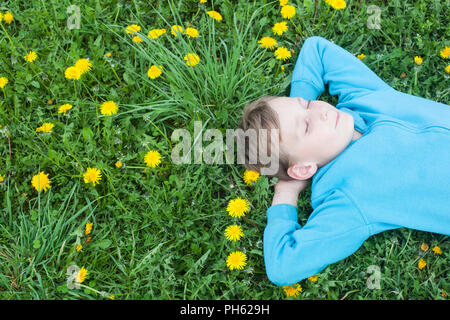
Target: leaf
(35, 84)
(263, 21)
(103, 244)
(98, 41)
(308, 5)
(36, 244)
(87, 133)
(128, 79)
(55, 156)
(256, 251)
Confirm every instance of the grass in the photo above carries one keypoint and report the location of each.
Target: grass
(158, 232)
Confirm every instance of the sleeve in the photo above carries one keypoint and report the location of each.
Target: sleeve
(322, 62)
(334, 231)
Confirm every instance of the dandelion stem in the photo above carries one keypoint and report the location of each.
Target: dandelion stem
(1, 24)
(70, 151)
(75, 88)
(82, 83)
(4, 94)
(102, 293)
(330, 20)
(297, 28)
(130, 167)
(170, 144)
(415, 79)
(114, 71)
(278, 69)
(265, 49)
(198, 10)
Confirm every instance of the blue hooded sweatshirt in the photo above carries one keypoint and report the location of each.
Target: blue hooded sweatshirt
(397, 174)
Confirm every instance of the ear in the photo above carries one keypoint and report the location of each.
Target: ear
(302, 171)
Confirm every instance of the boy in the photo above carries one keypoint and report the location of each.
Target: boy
(378, 161)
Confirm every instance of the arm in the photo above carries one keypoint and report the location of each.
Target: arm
(292, 253)
(322, 62)
(288, 191)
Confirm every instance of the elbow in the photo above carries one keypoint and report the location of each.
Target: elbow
(278, 273)
(272, 273)
(314, 39)
(275, 276)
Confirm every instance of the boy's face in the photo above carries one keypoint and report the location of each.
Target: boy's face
(310, 134)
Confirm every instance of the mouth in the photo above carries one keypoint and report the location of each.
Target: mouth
(337, 118)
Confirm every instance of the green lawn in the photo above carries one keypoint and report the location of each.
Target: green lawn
(158, 232)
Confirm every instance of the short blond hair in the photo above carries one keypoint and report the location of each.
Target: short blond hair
(260, 115)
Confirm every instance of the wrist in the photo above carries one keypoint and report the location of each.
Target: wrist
(285, 196)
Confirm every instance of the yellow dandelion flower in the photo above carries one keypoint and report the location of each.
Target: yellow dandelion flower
(81, 275)
(40, 181)
(2, 178)
(192, 32)
(46, 127)
(8, 17)
(133, 29)
(92, 175)
(156, 33)
(152, 158)
(267, 43)
(288, 11)
(293, 290)
(280, 27)
(79, 247)
(203, 1)
(234, 232)
(424, 247)
(137, 39)
(313, 278)
(447, 69)
(214, 14)
(236, 260)
(118, 164)
(361, 56)
(418, 60)
(445, 53)
(238, 207)
(336, 4)
(191, 59)
(175, 29)
(30, 56)
(283, 2)
(3, 82)
(154, 72)
(84, 65)
(422, 263)
(108, 54)
(64, 108)
(108, 108)
(282, 53)
(72, 73)
(437, 250)
(88, 228)
(250, 176)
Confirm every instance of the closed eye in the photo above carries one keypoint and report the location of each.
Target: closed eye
(307, 123)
